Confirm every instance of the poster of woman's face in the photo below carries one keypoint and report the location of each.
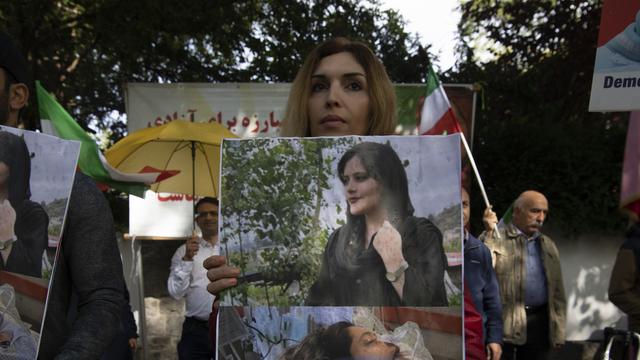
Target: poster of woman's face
(36, 176)
(345, 221)
(307, 333)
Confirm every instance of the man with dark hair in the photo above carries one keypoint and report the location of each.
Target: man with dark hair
(527, 265)
(86, 295)
(188, 279)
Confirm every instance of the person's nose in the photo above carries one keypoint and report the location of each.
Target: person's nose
(333, 95)
(541, 217)
(350, 186)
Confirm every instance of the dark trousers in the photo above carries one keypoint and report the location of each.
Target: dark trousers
(537, 346)
(195, 342)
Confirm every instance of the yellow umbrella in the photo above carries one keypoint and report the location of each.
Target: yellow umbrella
(192, 148)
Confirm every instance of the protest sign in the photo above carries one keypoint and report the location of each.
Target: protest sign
(248, 110)
(270, 332)
(36, 176)
(616, 76)
(289, 205)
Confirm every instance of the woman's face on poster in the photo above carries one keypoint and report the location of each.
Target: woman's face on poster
(362, 191)
(366, 345)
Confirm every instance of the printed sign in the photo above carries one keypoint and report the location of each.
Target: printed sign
(616, 76)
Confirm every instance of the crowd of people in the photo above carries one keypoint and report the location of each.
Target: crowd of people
(512, 271)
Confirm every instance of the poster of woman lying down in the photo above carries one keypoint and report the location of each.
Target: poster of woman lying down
(309, 333)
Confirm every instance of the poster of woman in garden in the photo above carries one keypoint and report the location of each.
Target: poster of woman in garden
(347, 221)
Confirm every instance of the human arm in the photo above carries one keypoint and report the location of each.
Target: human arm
(7, 221)
(32, 238)
(179, 274)
(191, 248)
(388, 244)
(489, 220)
(321, 292)
(491, 302)
(424, 279)
(221, 275)
(95, 272)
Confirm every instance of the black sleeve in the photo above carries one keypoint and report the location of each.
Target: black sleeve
(321, 292)
(128, 320)
(424, 279)
(33, 236)
(95, 272)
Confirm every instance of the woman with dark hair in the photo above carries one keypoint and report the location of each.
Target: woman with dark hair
(383, 255)
(341, 89)
(23, 223)
(342, 341)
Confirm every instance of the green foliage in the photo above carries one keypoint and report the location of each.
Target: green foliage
(272, 194)
(85, 50)
(533, 130)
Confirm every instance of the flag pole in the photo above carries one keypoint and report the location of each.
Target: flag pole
(475, 171)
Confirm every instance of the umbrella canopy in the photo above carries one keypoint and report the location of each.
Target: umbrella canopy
(192, 148)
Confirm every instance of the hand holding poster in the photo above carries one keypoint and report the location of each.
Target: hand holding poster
(341, 221)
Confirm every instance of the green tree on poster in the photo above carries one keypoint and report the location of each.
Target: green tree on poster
(272, 193)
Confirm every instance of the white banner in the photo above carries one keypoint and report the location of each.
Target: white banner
(247, 110)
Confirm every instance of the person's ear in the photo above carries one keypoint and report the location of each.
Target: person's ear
(18, 96)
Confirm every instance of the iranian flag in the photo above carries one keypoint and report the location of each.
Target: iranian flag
(437, 116)
(630, 189)
(91, 161)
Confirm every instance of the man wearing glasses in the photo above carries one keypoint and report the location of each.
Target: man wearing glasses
(188, 279)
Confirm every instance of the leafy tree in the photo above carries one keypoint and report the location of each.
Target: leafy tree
(85, 50)
(273, 194)
(533, 129)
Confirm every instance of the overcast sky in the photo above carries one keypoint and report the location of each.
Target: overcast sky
(435, 21)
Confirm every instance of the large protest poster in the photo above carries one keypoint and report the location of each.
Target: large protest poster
(399, 333)
(248, 110)
(616, 75)
(294, 214)
(36, 176)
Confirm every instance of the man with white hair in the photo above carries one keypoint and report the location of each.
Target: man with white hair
(527, 265)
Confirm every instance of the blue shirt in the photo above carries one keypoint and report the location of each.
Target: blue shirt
(535, 293)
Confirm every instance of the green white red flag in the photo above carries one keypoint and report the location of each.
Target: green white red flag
(630, 189)
(91, 161)
(437, 116)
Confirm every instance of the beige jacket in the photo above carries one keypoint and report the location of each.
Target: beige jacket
(508, 255)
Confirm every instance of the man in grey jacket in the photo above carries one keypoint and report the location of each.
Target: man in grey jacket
(527, 265)
(87, 291)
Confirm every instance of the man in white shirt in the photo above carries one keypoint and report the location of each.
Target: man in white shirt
(188, 278)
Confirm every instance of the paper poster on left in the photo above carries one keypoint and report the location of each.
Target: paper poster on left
(36, 176)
